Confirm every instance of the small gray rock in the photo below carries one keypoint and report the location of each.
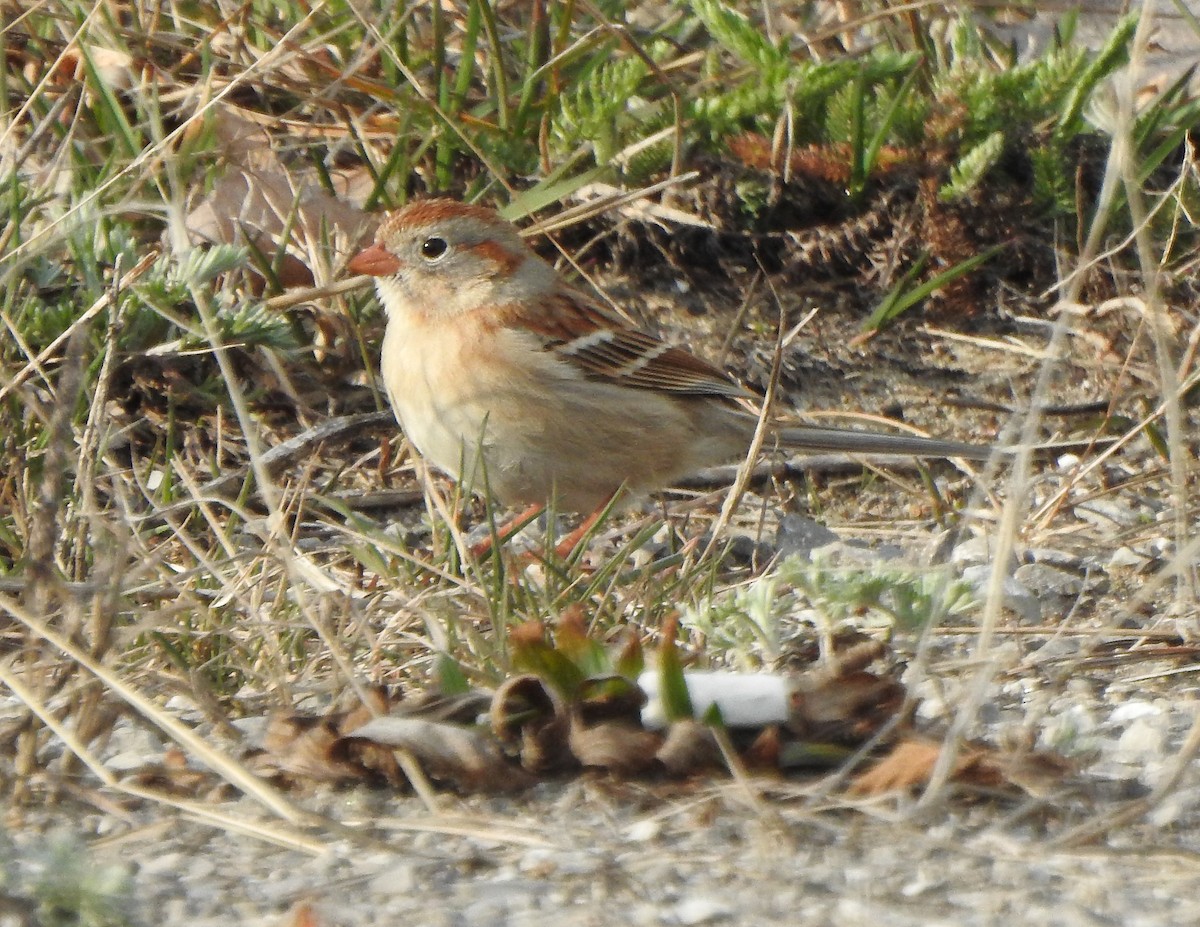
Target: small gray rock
(1017, 597)
(799, 535)
(1044, 579)
(1107, 514)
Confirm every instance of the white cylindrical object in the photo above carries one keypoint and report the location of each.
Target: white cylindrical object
(744, 699)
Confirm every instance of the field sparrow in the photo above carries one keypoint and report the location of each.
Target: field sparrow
(491, 358)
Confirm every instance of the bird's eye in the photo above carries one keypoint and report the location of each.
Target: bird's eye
(433, 248)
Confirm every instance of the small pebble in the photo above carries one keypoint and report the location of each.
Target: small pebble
(699, 910)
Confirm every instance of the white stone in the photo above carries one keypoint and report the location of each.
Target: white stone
(700, 910)
(1132, 711)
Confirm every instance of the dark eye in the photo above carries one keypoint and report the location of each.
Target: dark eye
(433, 248)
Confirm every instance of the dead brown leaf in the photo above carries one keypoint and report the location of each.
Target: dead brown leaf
(910, 763)
(298, 747)
(174, 778)
(527, 714)
(114, 68)
(462, 755)
(765, 752)
(689, 747)
(281, 212)
(619, 747)
(847, 708)
(828, 162)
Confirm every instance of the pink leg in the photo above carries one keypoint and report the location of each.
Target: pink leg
(567, 545)
(508, 529)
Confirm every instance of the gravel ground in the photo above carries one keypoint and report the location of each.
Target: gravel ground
(597, 852)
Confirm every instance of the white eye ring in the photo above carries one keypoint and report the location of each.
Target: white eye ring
(434, 248)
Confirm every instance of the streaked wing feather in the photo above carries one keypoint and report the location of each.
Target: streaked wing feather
(605, 349)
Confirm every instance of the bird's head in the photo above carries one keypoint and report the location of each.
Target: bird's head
(440, 257)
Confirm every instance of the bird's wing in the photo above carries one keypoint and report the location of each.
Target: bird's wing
(605, 348)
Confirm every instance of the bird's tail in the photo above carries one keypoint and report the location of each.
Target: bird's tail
(809, 438)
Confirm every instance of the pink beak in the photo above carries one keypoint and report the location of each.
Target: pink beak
(375, 260)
